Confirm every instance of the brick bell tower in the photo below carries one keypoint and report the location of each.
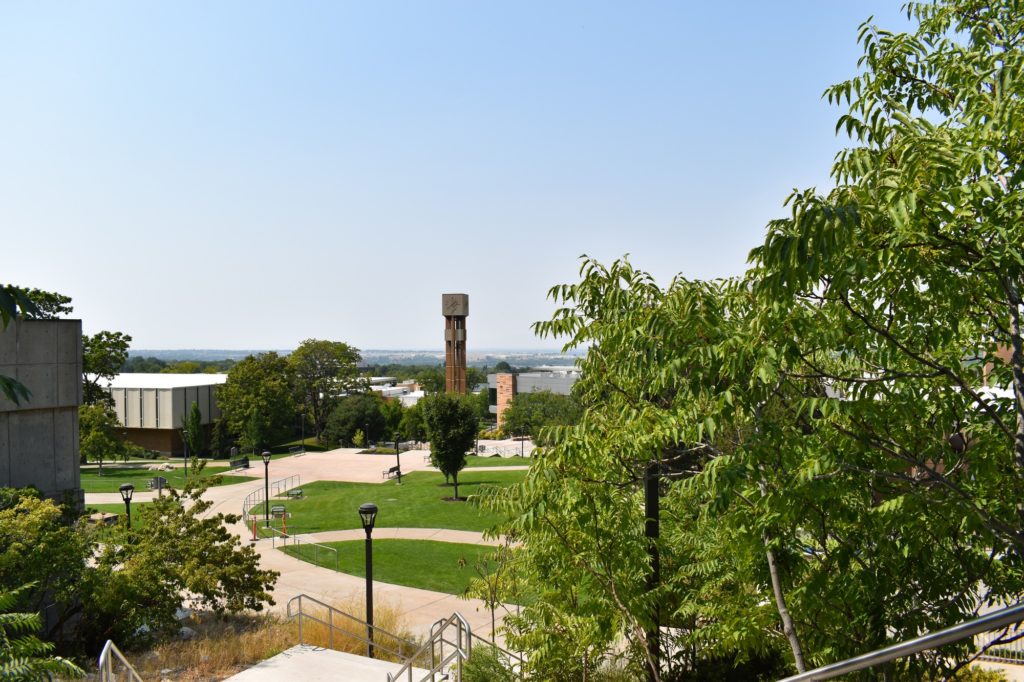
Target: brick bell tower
(455, 308)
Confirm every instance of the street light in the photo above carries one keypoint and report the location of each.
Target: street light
(398, 461)
(126, 494)
(266, 482)
(368, 515)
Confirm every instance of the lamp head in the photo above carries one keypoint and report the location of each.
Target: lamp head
(368, 515)
(266, 456)
(126, 492)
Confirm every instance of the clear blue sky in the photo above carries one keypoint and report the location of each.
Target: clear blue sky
(250, 174)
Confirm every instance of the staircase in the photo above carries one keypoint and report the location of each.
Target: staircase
(313, 664)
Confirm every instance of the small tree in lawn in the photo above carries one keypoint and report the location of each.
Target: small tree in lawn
(97, 433)
(192, 433)
(451, 423)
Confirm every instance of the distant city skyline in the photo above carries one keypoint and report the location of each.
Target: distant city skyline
(222, 175)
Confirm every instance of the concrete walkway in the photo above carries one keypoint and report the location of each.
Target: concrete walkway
(419, 609)
(313, 664)
(468, 537)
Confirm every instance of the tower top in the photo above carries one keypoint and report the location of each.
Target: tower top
(455, 305)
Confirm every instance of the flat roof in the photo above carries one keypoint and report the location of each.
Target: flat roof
(155, 380)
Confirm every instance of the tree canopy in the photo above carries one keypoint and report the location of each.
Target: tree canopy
(451, 425)
(362, 412)
(323, 372)
(529, 414)
(103, 354)
(257, 401)
(840, 431)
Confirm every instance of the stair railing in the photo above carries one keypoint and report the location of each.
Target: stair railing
(932, 640)
(388, 642)
(461, 648)
(106, 664)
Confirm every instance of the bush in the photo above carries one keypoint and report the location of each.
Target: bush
(486, 664)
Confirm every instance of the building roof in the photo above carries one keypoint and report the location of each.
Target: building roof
(143, 380)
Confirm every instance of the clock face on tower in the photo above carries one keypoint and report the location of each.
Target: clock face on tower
(454, 305)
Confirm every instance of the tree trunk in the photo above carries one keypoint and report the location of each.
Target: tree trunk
(780, 601)
(455, 480)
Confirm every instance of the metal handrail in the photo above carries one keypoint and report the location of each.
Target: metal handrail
(255, 498)
(932, 640)
(297, 542)
(106, 663)
(404, 644)
(462, 648)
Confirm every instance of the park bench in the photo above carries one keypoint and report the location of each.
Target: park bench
(295, 493)
(157, 483)
(297, 450)
(277, 511)
(392, 472)
(240, 463)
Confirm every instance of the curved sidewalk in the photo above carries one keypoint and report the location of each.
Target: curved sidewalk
(468, 537)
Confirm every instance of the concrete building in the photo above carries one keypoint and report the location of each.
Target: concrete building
(39, 437)
(505, 386)
(151, 406)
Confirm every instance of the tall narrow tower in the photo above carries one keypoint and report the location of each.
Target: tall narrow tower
(455, 308)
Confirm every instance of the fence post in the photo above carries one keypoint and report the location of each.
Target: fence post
(300, 620)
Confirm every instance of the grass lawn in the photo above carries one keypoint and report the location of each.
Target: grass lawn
(114, 475)
(417, 503)
(426, 564)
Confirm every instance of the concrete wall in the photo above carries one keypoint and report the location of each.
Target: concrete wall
(39, 438)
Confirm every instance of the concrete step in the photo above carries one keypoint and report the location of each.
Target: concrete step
(313, 664)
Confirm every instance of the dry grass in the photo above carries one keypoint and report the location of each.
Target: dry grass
(224, 646)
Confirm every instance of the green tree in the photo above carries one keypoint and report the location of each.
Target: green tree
(825, 418)
(393, 412)
(23, 656)
(483, 405)
(323, 372)
(192, 431)
(142, 576)
(103, 355)
(362, 412)
(49, 305)
(412, 426)
(14, 301)
(257, 401)
(451, 426)
(531, 413)
(98, 430)
(431, 379)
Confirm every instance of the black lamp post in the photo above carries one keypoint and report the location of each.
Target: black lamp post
(126, 494)
(652, 513)
(266, 483)
(398, 460)
(368, 515)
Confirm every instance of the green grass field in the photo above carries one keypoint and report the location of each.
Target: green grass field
(426, 564)
(114, 475)
(118, 508)
(417, 503)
